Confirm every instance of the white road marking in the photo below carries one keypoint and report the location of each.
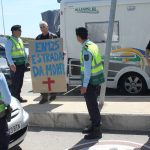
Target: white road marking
(110, 145)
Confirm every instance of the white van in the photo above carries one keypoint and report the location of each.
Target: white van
(128, 70)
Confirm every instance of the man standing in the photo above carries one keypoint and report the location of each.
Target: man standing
(5, 99)
(46, 35)
(92, 76)
(16, 57)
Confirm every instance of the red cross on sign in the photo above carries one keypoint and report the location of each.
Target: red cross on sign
(49, 82)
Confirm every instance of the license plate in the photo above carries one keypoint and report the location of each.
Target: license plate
(14, 128)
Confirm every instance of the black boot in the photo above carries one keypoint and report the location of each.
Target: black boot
(44, 98)
(95, 134)
(42, 101)
(87, 130)
(53, 97)
(22, 100)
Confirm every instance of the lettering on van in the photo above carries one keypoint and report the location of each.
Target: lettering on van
(91, 10)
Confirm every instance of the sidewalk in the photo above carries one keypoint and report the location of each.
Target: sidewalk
(118, 113)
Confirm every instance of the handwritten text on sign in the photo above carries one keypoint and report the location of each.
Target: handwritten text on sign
(47, 64)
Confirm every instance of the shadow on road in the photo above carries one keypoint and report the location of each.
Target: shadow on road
(82, 144)
(38, 129)
(86, 144)
(36, 108)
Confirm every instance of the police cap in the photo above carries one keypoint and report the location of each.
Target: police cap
(16, 27)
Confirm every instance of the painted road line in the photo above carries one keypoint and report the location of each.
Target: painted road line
(110, 145)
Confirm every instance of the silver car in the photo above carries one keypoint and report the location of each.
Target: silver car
(18, 125)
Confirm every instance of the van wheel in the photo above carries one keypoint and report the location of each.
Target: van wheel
(132, 84)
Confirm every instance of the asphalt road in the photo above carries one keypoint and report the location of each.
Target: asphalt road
(49, 139)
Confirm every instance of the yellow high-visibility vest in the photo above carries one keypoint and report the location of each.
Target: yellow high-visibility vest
(17, 51)
(97, 74)
(2, 107)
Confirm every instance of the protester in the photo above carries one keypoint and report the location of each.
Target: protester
(46, 34)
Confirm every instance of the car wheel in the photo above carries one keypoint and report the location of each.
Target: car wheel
(132, 84)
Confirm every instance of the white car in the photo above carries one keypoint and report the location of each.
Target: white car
(18, 125)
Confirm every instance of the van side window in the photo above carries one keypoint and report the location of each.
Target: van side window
(98, 31)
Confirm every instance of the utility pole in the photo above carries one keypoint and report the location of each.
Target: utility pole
(107, 51)
(3, 16)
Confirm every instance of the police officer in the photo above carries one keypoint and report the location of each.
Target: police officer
(92, 76)
(46, 35)
(16, 56)
(5, 99)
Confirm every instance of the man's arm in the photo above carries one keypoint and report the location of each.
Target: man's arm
(4, 90)
(8, 47)
(87, 60)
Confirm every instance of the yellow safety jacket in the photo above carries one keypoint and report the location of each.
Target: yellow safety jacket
(2, 107)
(97, 74)
(17, 51)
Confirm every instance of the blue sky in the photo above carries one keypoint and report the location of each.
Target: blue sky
(27, 13)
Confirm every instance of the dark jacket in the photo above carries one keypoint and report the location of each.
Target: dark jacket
(47, 36)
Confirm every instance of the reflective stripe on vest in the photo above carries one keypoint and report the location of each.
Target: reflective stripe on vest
(17, 50)
(97, 75)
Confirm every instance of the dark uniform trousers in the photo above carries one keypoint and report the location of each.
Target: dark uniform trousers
(17, 80)
(92, 104)
(4, 134)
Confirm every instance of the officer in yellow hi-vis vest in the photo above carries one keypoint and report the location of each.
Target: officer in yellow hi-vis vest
(5, 99)
(16, 57)
(92, 77)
